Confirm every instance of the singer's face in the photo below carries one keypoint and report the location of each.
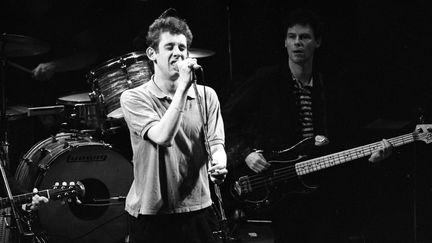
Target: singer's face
(301, 43)
(172, 48)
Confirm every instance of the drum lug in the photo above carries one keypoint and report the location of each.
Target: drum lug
(93, 96)
(66, 145)
(28, 161)
(53, 138)
(45, 151)
(107, 145)
(43, 168)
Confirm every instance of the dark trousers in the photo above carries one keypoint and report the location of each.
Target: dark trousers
(192, 227)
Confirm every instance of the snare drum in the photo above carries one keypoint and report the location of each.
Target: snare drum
(106, 176)
(110, 79)
(80, 112)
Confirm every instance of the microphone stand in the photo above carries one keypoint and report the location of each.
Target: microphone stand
(223, 234)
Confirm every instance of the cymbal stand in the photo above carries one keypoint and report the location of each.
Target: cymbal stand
(4, 146)
(16, 216)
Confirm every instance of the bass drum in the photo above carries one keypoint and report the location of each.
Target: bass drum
(106, 175)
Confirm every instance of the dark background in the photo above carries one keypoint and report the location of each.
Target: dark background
(376, 55)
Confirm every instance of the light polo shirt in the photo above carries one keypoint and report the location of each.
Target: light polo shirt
(169, 179)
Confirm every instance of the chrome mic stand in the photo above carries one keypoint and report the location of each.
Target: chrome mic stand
(222, 232)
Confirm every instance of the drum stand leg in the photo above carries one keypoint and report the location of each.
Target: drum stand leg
(4, 145)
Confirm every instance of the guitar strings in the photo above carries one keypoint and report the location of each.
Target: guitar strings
(286, 173)
(337, 155)
(259, 181)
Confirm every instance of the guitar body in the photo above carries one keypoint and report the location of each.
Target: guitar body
(260, 191)
(285, 174)
(265, 191)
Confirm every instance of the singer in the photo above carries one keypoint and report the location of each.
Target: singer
(169, 199)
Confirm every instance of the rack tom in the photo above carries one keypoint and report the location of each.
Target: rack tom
(81, 113)
(113, 77)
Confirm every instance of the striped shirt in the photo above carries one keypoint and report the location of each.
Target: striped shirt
(303, 94)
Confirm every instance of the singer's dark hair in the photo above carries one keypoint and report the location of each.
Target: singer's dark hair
(173, 25)
(305, 16)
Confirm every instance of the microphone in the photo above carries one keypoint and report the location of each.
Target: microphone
(195, 66)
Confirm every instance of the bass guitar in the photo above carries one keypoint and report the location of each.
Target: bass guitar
(256, 190)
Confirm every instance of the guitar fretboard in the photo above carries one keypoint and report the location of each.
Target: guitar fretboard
(24, 198)
(330, 160)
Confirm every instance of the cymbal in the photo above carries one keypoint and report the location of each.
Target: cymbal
(16, 112)
(199, 53)
(21, 46)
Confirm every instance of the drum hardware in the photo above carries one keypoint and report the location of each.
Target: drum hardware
(105, 174)
(200, 53)
(81, 113)
(66, 145)
(118, 198)
(13, 46)
(27, 161)
(16, 112)
(101, 202)
(110, 79)
(22, 46)
(43, 168)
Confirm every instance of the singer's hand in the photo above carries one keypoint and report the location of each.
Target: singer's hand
(185, 68)
(217, 172)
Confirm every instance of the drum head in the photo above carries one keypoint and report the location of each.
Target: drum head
(116, 114)
(74, 99)
(107, 177)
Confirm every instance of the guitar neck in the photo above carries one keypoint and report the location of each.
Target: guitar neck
(23, 198)
(338, 158)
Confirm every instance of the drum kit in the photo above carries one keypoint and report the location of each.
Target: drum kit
(75, 154)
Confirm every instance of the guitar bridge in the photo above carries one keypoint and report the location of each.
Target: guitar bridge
(242, 186)
(237, 188)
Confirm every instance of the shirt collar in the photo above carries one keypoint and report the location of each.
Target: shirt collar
(156, 91)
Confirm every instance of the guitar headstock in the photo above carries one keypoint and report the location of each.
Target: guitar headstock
(73, 190)
(424, 132)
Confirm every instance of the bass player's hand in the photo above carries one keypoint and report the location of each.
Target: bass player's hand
(256, 162)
